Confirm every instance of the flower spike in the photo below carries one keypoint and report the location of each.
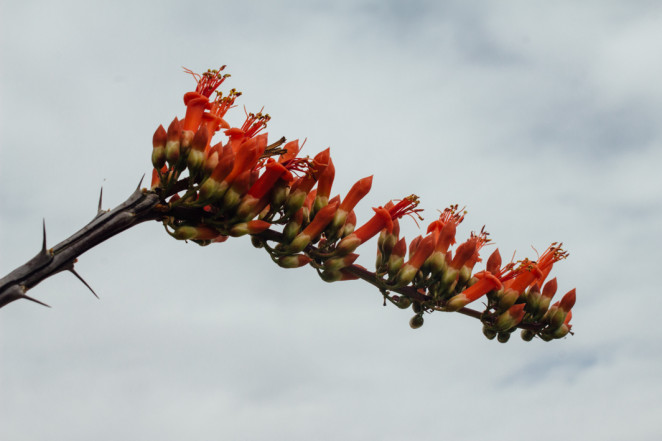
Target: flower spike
(245, 185)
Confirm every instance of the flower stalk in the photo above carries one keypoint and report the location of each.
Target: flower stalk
(205, 191)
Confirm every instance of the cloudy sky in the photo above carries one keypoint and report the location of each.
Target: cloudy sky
(541, 117)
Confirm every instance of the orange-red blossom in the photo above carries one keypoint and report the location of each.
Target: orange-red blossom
(242, 178)
(383, 219)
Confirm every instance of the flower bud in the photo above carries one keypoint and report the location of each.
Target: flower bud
(250, 227)
(489, 332)
(494, 262)
(336, 263)
(403, 302)
(158, 152)
(527, 334)
(189, 232)
(510, 318)
(196, 156)
(350, 224)
(237, 190)
(172, 142)
(396, 258)
(416, 321)
(293, 227)
(294, 261)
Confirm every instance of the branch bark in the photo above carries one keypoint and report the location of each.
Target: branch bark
(140, 207)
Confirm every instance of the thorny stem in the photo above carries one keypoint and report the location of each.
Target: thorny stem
(140, 207)
(143, 206)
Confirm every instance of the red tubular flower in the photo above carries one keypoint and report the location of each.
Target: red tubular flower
(195, 107)
(314, 229)
(511, 318)
(319, 164)
(214, 187)
(464, 253)
(212, 123)
(444, 230)
(302, 186)
(355, 194)
(524, 276)
(413, 245)
(446, 226)
(383, 219)
(197, 102)
(257, 197)
(324, 187)
(450, 214)
(272, 172)
(486, 283)
(246, 156)
(253, 124)
(321, 220)
(424, 249)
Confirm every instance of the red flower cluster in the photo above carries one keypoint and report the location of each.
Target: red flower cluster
(244, 185)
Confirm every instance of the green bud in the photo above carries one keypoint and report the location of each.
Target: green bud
(489, 332)
(291, 230)
(403, 302)
(416, 321)
(527, 334)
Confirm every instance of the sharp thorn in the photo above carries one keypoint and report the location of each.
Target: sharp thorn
(100, 199)
(43, 243)
(34, 300)
(73, 271)
(140, 183)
